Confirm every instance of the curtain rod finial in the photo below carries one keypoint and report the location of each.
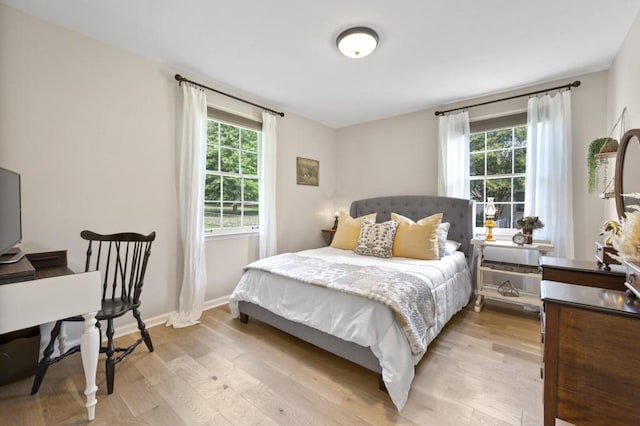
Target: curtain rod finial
(179, 77)
(439, 113)
(576, 83)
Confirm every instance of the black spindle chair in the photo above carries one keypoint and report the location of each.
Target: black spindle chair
(122, 261)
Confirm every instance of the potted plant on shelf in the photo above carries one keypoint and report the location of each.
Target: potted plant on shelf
(599, 150)
(528, 224)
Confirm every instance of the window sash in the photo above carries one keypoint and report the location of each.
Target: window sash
(514, 208)
(231, 216)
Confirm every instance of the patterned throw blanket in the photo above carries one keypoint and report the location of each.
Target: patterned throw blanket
(408, 296)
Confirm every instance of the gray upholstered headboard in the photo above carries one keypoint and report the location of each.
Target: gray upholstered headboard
(457, 211)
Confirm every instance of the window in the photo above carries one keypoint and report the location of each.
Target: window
(231, 177)
(498, 158)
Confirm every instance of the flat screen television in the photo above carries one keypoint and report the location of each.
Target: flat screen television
(10, 216)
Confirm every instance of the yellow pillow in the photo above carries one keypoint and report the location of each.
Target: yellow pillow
(417, 240)
(348, 231)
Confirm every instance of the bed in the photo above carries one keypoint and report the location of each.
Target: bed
(355, 328)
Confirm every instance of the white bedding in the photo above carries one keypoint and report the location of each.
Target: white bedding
(357, 319)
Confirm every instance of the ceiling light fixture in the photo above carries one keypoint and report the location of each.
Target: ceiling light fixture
(357, 42)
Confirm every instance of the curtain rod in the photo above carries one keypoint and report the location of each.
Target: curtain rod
(181, 79)
(566, 86)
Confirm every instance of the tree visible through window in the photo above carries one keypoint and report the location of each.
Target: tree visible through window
(231, 180)
(497, 169)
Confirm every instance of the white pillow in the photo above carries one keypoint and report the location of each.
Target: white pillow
(451, 247)
(443, 231)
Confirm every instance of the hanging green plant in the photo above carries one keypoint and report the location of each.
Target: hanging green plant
(593, 162)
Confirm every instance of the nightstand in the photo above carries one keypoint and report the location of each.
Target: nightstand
(328, 235)
(486, 290)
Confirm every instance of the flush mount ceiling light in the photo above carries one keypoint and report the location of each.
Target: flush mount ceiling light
(357, 42)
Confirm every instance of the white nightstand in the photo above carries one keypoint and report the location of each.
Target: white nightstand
(490, 290)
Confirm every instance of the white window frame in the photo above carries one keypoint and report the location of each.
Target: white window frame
(498, 231)
(239, 230)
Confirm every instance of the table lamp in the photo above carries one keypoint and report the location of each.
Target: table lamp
(490, 211)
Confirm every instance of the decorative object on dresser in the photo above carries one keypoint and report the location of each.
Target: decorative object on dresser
(590, 350)
(606, 254)
(633, 279)
(486, 290)
(582, 272)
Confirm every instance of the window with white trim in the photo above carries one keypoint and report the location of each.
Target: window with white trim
(231, 190)
(497, 167)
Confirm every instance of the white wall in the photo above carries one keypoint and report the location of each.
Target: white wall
(395, 156)
(398, 155)
(92, 130)
(624, 91)
(624, 80)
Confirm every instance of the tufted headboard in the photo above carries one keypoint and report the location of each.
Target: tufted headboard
(457, 211)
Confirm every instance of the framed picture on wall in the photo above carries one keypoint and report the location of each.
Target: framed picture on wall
(307, 171)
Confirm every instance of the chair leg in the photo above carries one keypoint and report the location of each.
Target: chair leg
(45, 362)
(111, 363)
(143, 330)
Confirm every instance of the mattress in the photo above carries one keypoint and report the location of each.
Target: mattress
(357, 319)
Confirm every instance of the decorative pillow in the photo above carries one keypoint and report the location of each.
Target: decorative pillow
(451, 247)
(346, 236)
(376, 239)
(417, 240)
(443, 232)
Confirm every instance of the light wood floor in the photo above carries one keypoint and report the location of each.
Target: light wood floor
(483, 369)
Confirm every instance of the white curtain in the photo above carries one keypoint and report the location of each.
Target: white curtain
(191, 157)
(548, 189)
(453, 161)
(267, 208)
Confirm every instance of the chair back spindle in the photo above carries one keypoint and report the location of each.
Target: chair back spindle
(123, 265)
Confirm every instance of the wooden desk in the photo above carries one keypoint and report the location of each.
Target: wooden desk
(582, 272)
(42, 300)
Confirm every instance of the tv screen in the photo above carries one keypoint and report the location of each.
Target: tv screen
(10, 216)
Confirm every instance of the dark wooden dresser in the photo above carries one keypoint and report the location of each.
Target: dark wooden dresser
(582, 272)
(591, 355)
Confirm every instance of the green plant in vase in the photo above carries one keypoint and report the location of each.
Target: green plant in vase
(528, 224)
(593, 162)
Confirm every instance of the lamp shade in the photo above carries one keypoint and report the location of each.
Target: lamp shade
(357, 42)
(490, 208)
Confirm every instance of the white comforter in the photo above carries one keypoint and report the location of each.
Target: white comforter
(357, 319)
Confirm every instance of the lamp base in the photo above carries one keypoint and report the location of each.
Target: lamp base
(489, 224)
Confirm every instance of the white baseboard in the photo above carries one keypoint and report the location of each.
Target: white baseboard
(73, 333)
(123, 330)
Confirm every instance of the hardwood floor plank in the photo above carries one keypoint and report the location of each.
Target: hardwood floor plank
(235, 408)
